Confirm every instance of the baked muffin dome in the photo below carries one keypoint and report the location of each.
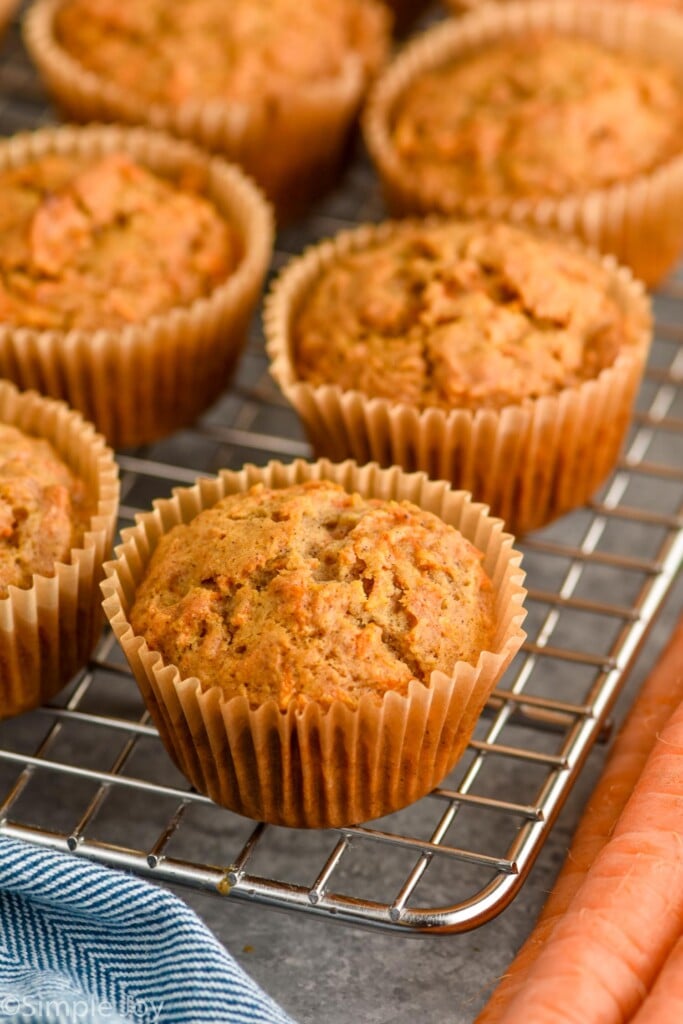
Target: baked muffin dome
(539, 115)
(499, 358)
(203, 50)
(104, 242)
(274, 85)
(308, 593)
(355, 581)
(43, 508)
(130, 265)
(59, 492)
(542, 112)
(457, 314)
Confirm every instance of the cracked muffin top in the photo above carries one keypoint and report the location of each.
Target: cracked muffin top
(459, 314)
(540, 115)
(42, 509)
(103, 243)
(308, 593)
(207, 50)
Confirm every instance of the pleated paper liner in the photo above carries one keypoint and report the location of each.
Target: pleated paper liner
(293, 148)
(639, 220)
(145, 380)
(318, 769)
(49, 630)
(529, 462)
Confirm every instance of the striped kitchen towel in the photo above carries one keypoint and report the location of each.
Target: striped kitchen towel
(80, 942)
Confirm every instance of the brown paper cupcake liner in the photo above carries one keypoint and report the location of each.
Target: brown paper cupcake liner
(49, 630)
(293, 148)
(144, 381)
(639, 221)
(530, 463)
(318, 768)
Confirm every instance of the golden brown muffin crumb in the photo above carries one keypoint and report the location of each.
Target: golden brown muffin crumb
(459, 315)
(42, 509)
(201, 50)
(104, 243)
(539, 115)
(311, 594)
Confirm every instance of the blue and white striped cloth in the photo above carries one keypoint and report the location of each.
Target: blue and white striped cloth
(80, 942)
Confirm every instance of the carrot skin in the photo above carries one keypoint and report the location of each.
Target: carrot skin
(661, 693)
(606, 951)
(664, 1003)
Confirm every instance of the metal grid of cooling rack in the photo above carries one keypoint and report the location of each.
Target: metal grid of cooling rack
(88, 773)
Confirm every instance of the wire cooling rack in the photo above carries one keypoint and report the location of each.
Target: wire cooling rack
(88, 774)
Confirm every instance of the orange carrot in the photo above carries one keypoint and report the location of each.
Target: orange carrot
(605, 952)
(659, 696)
(664, 1003)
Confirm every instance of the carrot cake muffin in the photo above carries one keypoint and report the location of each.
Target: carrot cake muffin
(59, 491)
(493, 356)
(465, 315)
(43, 509)
(272, 84)
(199, 50)
(103, 243)
(316, 641)
(130, 265)
(561, 115)
(541, 115)
(309, 594)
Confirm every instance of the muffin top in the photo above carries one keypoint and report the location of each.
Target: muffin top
(310, 594)
(104, 243)
(459, 314)
(534, 116)
(42, 509)
(207, 50)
